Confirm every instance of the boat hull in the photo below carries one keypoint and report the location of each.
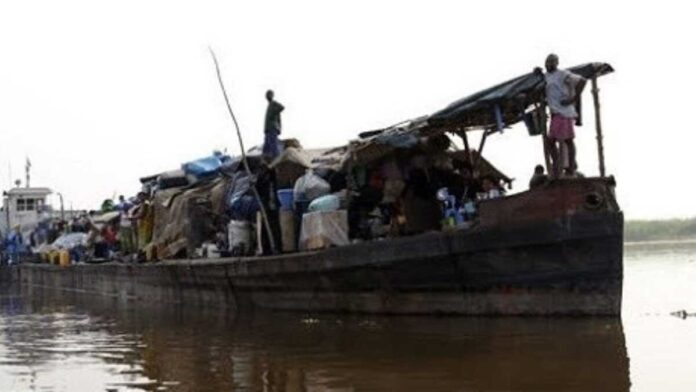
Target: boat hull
(571, 265)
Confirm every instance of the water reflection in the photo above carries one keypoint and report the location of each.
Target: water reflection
(96, 344)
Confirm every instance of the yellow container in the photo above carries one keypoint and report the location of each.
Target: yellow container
(53, 257)
(64, 258)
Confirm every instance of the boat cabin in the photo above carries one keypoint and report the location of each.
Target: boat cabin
(24, 207)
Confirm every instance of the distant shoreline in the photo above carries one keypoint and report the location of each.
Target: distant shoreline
(675, 241)
(660, 230)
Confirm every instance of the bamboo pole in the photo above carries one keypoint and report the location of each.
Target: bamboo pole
(245, 162)
(540, 122)
(480, 150)
(598, 126)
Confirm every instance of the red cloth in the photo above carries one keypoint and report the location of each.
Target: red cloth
(561, 127)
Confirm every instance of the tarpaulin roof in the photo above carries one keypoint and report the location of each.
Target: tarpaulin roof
(313, 158)
(513, 97)
(476, 111)
(375, 144)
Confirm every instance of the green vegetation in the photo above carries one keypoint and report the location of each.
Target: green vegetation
(652, 230)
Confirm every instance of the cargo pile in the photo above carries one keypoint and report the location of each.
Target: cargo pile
(403, 180)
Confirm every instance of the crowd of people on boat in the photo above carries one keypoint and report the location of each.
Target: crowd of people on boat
(111, 232)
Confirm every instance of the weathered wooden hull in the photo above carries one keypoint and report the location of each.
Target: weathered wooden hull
(570, 264)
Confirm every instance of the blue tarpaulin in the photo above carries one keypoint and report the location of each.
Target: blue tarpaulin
(205, 167)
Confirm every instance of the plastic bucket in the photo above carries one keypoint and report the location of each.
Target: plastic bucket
(286, 199)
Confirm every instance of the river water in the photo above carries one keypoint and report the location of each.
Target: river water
(97, 344)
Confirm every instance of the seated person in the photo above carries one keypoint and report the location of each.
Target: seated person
(491, 189)
(538, 178)
(108, 234)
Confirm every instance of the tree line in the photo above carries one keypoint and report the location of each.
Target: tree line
(652, 230)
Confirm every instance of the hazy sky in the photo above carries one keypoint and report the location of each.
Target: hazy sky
(98, 94)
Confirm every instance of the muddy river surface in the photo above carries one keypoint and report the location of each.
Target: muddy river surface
(98, 344)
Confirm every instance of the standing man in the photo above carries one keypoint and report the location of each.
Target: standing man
(126, 234)
(272, 127)
(563, 89)
(14, 245)
(144, 217)
(123, 204)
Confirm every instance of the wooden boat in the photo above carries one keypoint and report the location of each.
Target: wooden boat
(552, 250)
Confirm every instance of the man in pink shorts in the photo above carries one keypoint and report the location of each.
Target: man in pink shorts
(563, 89)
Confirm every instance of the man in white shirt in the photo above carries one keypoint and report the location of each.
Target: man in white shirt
(563, 89)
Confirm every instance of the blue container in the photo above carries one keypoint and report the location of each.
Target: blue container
(285, 198)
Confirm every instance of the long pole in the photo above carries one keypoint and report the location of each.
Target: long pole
(7, 196)
(480, 150)
(27, 168)
(598, 126)
(62, 208)
(540, 122)
(8, 200)
(245, 162)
